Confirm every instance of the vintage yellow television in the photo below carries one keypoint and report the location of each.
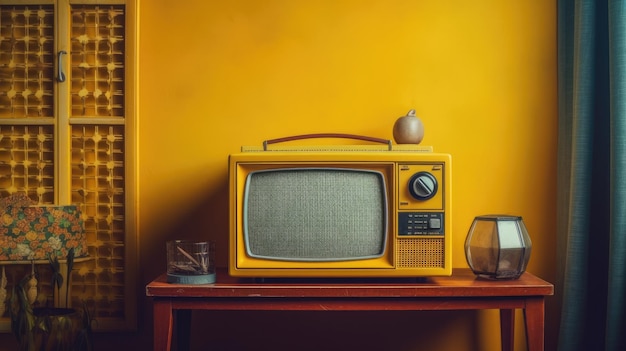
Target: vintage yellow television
(340, 211)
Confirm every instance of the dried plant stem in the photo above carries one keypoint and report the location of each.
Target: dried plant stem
(193, 260)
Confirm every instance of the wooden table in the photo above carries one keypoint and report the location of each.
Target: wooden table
(461, 291)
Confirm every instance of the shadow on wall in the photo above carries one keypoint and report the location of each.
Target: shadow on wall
(206, 220)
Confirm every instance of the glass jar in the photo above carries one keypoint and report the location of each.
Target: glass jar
(190, 262)
(498, 246)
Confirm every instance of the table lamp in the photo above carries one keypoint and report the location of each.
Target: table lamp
(498, 246)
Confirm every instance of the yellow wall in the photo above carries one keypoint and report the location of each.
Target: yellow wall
(215, 75)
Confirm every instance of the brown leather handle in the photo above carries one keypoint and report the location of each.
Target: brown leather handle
(326, 135)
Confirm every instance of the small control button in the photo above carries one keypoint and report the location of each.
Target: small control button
(434, 223)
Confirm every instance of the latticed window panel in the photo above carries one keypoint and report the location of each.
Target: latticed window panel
(27, 166)
(98, 185)
(97, 60)
(95, 88)
(26, 61)
(27, 161)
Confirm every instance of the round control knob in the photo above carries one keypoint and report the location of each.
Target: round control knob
(423, 185)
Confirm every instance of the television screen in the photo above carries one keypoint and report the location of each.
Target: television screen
(315, 214)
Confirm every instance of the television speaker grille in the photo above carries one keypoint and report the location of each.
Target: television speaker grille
(420, 253)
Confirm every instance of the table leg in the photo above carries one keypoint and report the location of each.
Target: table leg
(163, 320)
(507, 329)
(534, 319)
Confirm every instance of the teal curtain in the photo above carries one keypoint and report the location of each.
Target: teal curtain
(591, 174)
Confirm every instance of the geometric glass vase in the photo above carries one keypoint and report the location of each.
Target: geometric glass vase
(498, 246)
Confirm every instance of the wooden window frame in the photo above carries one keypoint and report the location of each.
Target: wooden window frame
(63, 122)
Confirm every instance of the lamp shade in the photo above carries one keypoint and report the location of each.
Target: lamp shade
(37, 232)
(498, 246)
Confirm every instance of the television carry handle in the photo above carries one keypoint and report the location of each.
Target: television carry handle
(327, 135)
